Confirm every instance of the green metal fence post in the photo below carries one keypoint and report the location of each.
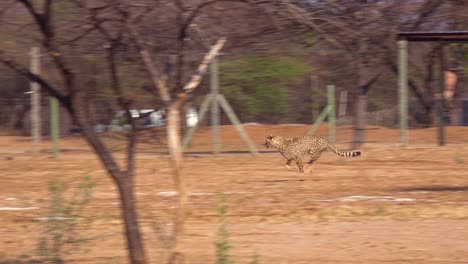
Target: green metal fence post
(441, 103)
(319, 120)
(235, 121)
(403, 89)
(54, 125)
(215, 120)
(36, 123)
(331, 113)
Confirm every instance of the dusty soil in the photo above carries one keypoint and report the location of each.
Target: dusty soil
(392, 205)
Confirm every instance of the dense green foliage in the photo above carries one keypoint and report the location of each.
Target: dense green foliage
(257, 86)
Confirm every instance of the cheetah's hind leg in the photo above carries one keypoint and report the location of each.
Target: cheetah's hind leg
(311, 165)
(313, 159)
(299, 165)
(288, 162)
(314, 155)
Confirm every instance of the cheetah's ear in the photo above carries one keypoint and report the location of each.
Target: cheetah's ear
(270, 137)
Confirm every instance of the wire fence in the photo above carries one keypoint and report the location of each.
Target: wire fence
(266, 93)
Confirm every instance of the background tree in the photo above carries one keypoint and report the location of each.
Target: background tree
(106, 56)
(359, 36)
(69, 94)
(105, 35)
(255, 86)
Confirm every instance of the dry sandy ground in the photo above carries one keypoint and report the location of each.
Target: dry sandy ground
(391, 205)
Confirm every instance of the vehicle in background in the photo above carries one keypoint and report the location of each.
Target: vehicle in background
(146, 118)
(191, 117)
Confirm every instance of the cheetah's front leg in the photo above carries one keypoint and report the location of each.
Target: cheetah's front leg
(288, 162)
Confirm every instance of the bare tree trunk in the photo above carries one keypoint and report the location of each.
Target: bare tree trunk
(423, 93)
(123, 180)
(173, 131)
(360, 119)
(72, 100)
(134, 239)
(175, 150)
(365, 81)
(18, 118)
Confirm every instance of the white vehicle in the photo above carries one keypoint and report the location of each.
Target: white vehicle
(191, 117)
(151, 118)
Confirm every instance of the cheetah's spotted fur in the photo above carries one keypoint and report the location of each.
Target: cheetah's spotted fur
(298, 147)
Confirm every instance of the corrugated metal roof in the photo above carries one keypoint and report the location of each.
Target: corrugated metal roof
(445, 36)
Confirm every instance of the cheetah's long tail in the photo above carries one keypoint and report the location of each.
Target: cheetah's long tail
(356, 153)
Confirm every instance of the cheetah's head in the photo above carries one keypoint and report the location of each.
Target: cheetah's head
(270, 141)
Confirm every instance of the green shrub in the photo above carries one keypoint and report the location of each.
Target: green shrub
(222, 243)
(63, 219)
(255, 86)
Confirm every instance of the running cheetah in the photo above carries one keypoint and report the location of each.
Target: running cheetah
(298, 147)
